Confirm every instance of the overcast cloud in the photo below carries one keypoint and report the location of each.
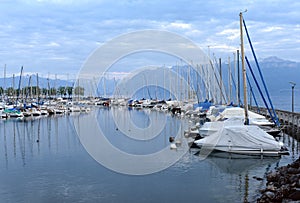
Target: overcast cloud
(57, 36)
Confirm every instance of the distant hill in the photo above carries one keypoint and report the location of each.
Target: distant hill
(275, 62)
(277, 74)
(43, 82)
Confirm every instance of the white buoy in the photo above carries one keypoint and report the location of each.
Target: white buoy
(178, 143)
(173, 146)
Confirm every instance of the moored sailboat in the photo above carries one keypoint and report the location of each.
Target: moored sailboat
(240, 137)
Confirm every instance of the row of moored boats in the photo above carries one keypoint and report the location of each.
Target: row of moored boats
(224, 128)
(34, 109)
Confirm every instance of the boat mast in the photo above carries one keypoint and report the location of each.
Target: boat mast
(221, 82)
(238, 79)
(229, 81)
(19, 88)
(37, 88)
(235, 74)
(4, 87)
(244, 71)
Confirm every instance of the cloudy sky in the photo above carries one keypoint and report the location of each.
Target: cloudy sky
(57, 36)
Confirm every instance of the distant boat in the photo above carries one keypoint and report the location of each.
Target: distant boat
(74, 108)
(26, 113)
(3, 114)
(50, 110)
(2, 107)
(35, 112)
(13, 113)
(60, 109)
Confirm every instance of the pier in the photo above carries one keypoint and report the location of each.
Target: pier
(290, 122)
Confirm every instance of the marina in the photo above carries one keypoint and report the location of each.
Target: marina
(48, 170)
(151, 115)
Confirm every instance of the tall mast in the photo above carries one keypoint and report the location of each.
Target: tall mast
(30, 85)
(235, 76)
(13, 90)
(238, 74)
(244, 71)
(221, 82)
(229, 81)
(4, 88)
(19, 88)
(48, 89)
(37, 88)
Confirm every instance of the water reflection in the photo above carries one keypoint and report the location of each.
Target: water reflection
(238, 164)
(42, 160)
(23, 139)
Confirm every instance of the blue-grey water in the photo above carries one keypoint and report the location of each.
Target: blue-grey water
(43, 160)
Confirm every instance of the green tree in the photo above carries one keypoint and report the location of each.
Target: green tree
(62, 91)
(36, 90)
(10, 91)
(44, 91)
(53, 91)
(79, 91)
(69, 91)
(1, 91)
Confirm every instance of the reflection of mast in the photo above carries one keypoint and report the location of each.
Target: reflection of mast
(38, 136)
(246, 187)
(56, 133)
(22, 145)
(30, 140)
(14, 130)
(5, 145)
(67, 129)
(49, 132)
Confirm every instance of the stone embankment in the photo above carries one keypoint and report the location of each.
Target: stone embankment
(283, 185)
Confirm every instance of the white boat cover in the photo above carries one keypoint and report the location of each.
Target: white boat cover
(209, 128)
(237, 111)
(254, 118)
(239, 138)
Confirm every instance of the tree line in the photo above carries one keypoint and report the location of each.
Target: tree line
(35, 91)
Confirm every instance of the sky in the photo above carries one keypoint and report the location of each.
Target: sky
(57, 36)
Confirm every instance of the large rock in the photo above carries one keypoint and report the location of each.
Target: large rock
(283, 184)
(295, 195)
(273, 177)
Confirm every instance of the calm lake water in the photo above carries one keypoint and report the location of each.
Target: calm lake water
(57, 168)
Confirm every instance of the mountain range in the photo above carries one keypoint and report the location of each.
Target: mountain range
(277, 74)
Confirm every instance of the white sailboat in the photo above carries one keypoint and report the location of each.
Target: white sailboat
(236, 137)
(254, 118)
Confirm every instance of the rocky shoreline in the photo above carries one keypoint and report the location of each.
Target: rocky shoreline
(283, 185)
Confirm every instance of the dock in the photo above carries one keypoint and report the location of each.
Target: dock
(290, 121)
